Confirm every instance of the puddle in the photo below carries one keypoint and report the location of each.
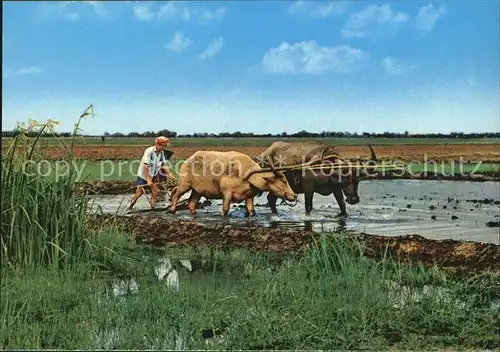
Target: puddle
(401, 295)
(164, 269)
(169, 271)
(125, 287)
(434, 209)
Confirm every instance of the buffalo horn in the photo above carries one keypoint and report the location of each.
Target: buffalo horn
(373, 156)
(273, 168)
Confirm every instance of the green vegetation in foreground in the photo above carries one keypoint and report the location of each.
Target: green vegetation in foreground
(126, 170)
(262, 141)
(331, 298)
(57, 277)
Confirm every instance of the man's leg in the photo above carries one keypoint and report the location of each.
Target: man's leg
(138, 192)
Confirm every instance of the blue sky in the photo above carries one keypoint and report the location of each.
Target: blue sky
(254, 66)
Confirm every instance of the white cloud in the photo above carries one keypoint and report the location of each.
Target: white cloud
(143, 13)
(8, 72)
(373, 20)
(310, 58)
(303, 9)
(74, 16)
(98, 7)
(394, 66)
(179, 11)
(427, 17)
(213, 48)
(179, 43)
(28, 70)
(70, 10)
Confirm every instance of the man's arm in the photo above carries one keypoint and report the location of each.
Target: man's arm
(166, 169)
(164, 166)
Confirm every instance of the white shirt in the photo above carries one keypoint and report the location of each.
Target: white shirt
(154, 160)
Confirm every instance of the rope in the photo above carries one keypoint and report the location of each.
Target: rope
(299, 166)
(340, 165)
(291, 205)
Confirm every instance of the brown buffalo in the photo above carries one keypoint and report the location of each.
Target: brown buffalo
(231, 176)
(310, 181)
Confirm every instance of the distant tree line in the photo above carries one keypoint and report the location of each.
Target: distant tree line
(304, 134)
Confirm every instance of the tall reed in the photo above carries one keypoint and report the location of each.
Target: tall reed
(42, 217)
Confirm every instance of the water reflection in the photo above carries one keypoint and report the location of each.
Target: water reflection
(388, 208)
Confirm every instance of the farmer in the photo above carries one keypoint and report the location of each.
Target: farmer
(151, 170)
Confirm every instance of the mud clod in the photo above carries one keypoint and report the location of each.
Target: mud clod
(493, 224)
(456, 256)
(483, 201)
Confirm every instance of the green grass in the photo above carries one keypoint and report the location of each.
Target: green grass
(42, 218)
(331, 298)
(265, 141)
(57, 275)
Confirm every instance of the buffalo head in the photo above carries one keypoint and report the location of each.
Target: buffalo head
(350, 180)
(272, 180)
(277, 183)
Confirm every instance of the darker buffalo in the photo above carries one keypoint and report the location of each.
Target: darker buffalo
(309, 180)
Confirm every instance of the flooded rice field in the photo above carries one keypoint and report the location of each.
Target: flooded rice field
(459, 210)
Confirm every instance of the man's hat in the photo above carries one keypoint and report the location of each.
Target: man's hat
(162, 140)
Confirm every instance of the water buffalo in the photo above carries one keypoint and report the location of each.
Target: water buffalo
(231, 176)
(309, 181)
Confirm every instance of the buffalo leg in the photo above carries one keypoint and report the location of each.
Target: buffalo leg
(339, 197)
(250, 207)
(271, 200)
(179, 192)
(193, 201)
(226, 204)
(154, 196)
(308, 196)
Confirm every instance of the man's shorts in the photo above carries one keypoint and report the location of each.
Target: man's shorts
(158, 178)
(140, 181)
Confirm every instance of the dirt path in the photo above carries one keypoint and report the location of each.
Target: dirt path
(472, 152)
(456, 257)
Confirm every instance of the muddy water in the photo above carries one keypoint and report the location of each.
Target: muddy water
(433, 209)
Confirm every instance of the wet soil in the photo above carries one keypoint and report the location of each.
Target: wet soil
(124, 187)
(457, 257)
(457, 152)
(434, 209)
